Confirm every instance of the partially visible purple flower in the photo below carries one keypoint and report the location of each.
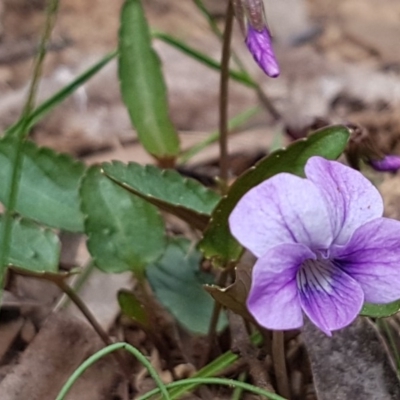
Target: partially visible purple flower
(322, 244)
(251, 17)
(259, 44)
(390, 163)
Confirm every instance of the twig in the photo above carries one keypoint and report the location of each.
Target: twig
(223, 98)
(278, 359)
(242, 345)
(92, 320)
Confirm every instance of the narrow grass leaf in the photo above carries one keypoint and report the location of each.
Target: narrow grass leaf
(43, 109)
(204, 58)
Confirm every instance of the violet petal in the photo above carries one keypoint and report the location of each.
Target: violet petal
(331, 301)
(282, 209)
(351, 198)
(259, 44)
(390, 163)
(273, 299)
(372, 257)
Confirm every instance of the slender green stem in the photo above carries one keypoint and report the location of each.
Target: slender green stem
(216, 366)
(44, 108)
(238, 76)
(223, 99)
(22, 134)
(107, 350)
(278, 358)
(237, 394)
(233, 123)
(215, 381)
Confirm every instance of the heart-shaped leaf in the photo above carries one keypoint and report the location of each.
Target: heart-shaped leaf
(124, 231)
(177, 282)
(166, 189)
(49, 185)
(217, 242)
(142, 85)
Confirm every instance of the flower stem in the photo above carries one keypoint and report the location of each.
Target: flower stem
(278, 358)
(73, 296)
(264, 99)
(223, 99)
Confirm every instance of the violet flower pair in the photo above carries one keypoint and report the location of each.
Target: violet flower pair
(322, 245)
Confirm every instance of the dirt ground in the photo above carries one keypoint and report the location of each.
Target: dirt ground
(340, 63)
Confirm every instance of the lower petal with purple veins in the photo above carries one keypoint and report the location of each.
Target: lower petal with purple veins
(330, 298)
(273, 299)
(372, 257)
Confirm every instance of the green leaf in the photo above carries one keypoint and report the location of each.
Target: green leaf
(133, 308)
(43, 109)
(142, 84)
(124, 231)
(166, 189)
(177, 282)
(380, 310)
(217, 242)
(49, 185)
(32, 247)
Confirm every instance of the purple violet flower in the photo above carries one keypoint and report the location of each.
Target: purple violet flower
(259, 43)
(389, 163)
(322, 244)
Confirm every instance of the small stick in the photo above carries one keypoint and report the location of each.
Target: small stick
(223, 98)
(278, 359)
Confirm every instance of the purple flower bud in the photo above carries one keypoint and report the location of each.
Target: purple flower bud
(389, 163)
(259, 44)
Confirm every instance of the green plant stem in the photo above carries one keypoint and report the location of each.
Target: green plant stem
(223, 99)
(215, 381)
(22, 134)
(110, 349)
(73, 296)
(216, 366)
(233, 123)
(238, 76)
(237, 394)
(278, 359)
